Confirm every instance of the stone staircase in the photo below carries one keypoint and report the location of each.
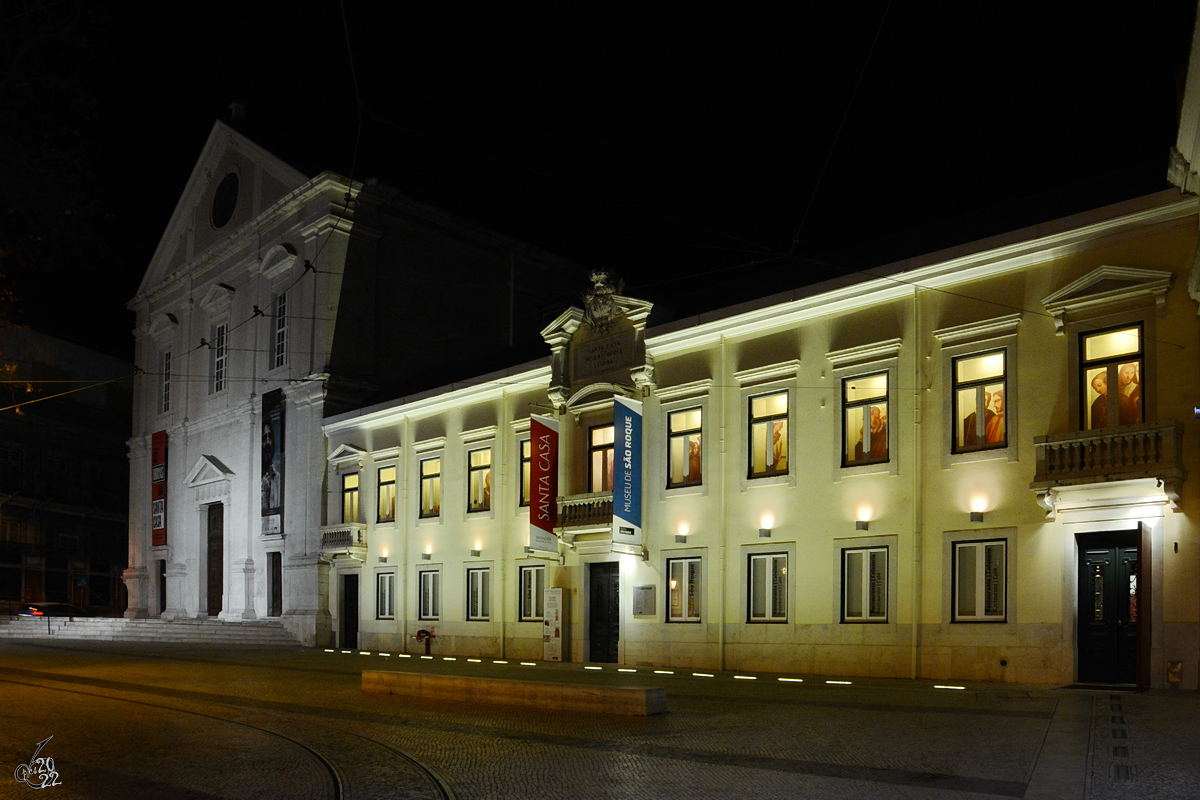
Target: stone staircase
(263, 632)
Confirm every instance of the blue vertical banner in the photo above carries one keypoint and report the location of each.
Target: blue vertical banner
(627, 473)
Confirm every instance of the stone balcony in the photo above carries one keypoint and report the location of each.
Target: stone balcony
(346, 537)
(1146, 450)
(592, 510)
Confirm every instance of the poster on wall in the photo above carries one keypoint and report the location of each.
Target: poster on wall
(543, 483)
(554, 625)
(627, 475)
(272, 463)
(158, 488)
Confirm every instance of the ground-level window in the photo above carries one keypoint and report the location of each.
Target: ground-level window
(387, 494)
(350, 497)
(479, 593)
(533, 588)
(385, 595)
(980, 581)
(431, 487)
(429, 594)
(683, 585)
(768, 589)
(865, 410)
(479, 479)
(768, 435)
(864, 584)
(683, 448)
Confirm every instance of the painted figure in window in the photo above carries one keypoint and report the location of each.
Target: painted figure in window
(778, 447)
(270, 476)
(879, 442)
(1099, 418)
(694, 458)
(970, 432)
(993, 432)
(1130, 399)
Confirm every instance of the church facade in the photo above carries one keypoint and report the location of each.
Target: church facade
(976, 465)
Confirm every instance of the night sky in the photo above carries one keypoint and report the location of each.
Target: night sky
(705, 159)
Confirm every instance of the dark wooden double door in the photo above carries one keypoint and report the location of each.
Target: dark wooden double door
(216, 557)
(604, 617)
(1109, 607)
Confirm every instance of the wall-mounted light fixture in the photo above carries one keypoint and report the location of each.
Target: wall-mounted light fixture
(383, 556)
(476, 553)
(681, 537)
(976, 516)
(428, 554)
(766, 524)
(862, 525)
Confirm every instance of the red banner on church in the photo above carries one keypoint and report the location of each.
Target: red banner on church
(543, 483)
(158, 488)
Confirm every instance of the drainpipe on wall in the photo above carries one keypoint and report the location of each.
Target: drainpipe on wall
(918, 471)
(723, 533)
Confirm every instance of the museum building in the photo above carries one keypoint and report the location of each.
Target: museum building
(979, 464)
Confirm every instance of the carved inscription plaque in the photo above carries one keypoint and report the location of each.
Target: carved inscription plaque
(602, 357)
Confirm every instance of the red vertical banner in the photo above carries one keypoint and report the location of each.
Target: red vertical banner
(543, 483)
(158, 488)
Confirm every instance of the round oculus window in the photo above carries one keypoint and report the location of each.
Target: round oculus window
(225, 200)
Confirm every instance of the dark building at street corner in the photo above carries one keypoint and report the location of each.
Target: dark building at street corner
(63, 474)
(273, 300)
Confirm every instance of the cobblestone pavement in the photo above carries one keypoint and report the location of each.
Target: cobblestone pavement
(186, 721)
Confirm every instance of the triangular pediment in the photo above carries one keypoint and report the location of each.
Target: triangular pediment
(164, 324)
(1109, 288)
(347, 452)
(207, 469)
(214, 205)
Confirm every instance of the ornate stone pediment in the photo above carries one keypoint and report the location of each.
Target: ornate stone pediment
(1107, 289)
(348, 453)
(217, 299)
(207, 469)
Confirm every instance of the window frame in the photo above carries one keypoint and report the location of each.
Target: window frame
(479, 594)
(772, 601)
(593, 449)
(980, 386)
(864, 585)
(685, 434)
(380, 493)
(847, 406)
(980, 583)
(385, 594)
(536, 574)
(1111, 366)
(433, 479)
(279, 331)
(768, 420)
(429, 594)
(351, 493)
(690, 590)
(164, 382)
(218, 358)
(472, 471)
(525, 455)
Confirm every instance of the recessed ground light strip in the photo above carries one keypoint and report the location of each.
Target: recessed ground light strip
(476, 660)
(949, 687)
(664, 672)
(593, 667)
(702, 675)
(841, 683)
(626, 670)
(744, 678)
(792, 680)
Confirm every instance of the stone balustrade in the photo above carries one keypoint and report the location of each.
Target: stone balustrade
(343, 537)
(579, 510)
(1146, 450)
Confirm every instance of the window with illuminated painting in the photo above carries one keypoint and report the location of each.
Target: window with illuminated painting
(526, 461)
(683, 448)
(1111, 364)
(683, 590)
(431, 487)
(980, 392)
(865, 584)
(600, 458)
(980, 581)
(865, 414)
(479, 480)
(479, 594)
(768, 435)
(387, 494)
(350, 497)
(767, 592)
(533, 587)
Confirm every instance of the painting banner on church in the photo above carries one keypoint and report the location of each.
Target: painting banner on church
(158, 489)
(543, 483)
(272, 463)
(627, 473)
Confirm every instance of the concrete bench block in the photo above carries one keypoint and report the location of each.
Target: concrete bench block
(626, 700)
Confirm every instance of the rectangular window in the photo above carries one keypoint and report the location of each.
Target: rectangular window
(533, 587)
(526, 460)
(864, 584)
(768, 435)
(479, 480)
(768, 590)
(218, 353)
(979, 410)
(385, 595)
(429, 588)
(387, 494)
(279, 339)
(980, 581)
(350, 497)
(1112, 359)
(865, 405)
(164, 391)
(431, 487)
(683, 583)
(600, 458)
(479, 593)
(683, 448)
